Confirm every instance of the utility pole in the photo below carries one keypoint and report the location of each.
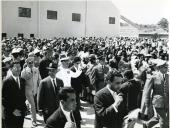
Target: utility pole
(85, 30)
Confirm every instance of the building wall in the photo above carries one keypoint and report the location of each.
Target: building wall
(97, 19)
(98, 14)
(12, 24)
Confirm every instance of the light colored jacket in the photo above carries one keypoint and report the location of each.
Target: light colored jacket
(155, 90)
(32, 79)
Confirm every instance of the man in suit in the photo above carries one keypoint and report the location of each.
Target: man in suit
(44, 63)
(108, 105)
(47, 97)
(158, 84)
(100, 72)
(77, 83)
(65, 116)
(13, 98)
(131, 89)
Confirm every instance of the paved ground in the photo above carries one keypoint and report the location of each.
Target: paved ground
(87, 115)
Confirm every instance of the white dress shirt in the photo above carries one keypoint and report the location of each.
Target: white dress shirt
(66, 75)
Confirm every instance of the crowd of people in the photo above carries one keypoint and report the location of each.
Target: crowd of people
(118, 75)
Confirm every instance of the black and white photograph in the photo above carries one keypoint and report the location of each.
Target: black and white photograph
(84, 63)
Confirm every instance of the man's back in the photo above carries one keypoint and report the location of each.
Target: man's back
(44, 63)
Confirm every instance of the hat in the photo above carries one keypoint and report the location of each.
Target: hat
(29, 59)
(101, 57)
(92, 57)
(36, 51)
(20, 49)
(76, 59)
(15, 50)
(53, 66)
(7, 59)
(148, 55)
(63, 57)
(158, 62)
(56, 55)
(31, 54)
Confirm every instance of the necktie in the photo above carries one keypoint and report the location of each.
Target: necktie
(73, 119)
(31, 70)
(18, 82)
(55, 87)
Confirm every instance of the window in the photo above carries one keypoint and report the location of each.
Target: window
(24, 12)
(52, 15)
(76, 17)
(20, 35)
(32, 35)
(111, 20)
(4, 35)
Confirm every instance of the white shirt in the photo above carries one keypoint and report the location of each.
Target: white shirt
(53, 82)
(66, 75)
(114, 94)
(66, 113)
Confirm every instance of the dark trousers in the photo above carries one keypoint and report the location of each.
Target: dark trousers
(46, 115)
(35, 100)
(13, 122)
(78, 100)
(163, 120)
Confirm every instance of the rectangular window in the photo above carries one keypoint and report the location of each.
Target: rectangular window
(51, 14)
(76, 17)
(32, 35)
(111, 20)
(4, 35)
(24, 12)
(20, 35)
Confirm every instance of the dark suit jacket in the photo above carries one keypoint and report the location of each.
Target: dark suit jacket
(99, 74)
(58, 119)
(106, 115)
(47, 98)
(13, 97)
(132, 91)
(77, 83)
(159, 87)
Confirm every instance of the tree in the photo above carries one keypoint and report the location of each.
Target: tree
(163, 23)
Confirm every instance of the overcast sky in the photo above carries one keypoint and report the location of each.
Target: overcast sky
(144, 11)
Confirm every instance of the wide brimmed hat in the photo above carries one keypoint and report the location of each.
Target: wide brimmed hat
(158, 62)
(76, 59)
(15, 51)
(63, 57)
(53, 66)
(7, 59)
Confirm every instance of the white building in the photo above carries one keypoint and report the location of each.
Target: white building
(48, 19)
